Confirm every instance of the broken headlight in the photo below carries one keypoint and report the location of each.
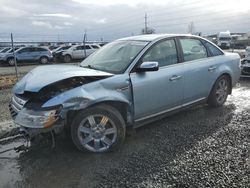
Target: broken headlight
(37, 118)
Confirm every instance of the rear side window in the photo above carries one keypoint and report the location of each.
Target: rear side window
(25, 50)
(193, 49)
(164, 53)
(214, 51)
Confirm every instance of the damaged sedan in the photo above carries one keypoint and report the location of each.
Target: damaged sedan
(127, 83)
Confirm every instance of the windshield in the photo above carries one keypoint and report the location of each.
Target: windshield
(5, 50)
(225, 38)
(10, 50)
(114, 57)
(65, 47)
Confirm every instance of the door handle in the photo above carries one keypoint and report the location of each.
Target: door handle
(175, 77)
(211, 68)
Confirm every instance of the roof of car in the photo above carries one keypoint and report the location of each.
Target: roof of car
(152, 37)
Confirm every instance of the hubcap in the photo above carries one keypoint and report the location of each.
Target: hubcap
(44, 60)
(11, 61)
(67, 58)
(97, 133)
(221, 91)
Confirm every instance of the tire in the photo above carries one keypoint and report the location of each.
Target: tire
(67, 58)
(11, 61)
(44, 60)
(220, 91)
(98, 129)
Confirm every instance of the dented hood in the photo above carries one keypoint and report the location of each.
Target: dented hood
(45, 75)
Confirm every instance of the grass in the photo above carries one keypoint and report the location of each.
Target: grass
(7, 81)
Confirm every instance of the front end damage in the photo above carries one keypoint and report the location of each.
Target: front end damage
(31, 111)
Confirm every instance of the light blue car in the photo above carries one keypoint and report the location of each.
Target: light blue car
(127, 83)
(27, 54)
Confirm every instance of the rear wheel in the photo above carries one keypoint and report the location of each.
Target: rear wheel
(44, 60)
(67, 58)
(98, 129)
(220, 91)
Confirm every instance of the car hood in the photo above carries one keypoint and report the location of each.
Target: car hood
(4, 54)
(46, 75)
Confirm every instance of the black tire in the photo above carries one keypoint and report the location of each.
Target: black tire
(218, 95)
(11, 61)
(44, 60)
(107, 111)
(67, 58)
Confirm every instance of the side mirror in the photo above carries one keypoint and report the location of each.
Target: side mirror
(148, 66)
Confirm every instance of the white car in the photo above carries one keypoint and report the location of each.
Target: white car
(79, 52)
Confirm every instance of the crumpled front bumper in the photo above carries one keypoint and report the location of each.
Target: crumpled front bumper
(32, 132)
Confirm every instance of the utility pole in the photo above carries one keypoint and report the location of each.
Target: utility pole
(146, 24)
(84, 43)
(14, 55)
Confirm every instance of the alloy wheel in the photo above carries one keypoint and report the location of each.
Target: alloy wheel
(97, 133)
(221, 91)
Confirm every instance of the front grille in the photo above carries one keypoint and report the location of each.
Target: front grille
(246, 70)
(16, 104)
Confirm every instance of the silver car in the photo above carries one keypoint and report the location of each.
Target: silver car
(127, 83)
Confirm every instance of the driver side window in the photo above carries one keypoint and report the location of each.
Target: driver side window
(164, 53)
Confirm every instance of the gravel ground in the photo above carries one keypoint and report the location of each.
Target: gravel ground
(199, 147)
(205, 152)
(5, 96)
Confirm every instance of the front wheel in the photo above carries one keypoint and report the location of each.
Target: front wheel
(44, 60)
(11, 61)
(67, 58)
(220, 91)
(98, 129)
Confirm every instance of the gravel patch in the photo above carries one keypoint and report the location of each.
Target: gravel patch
(210, 149)
(5, 96)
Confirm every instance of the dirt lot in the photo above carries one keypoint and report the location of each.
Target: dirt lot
(199, 147)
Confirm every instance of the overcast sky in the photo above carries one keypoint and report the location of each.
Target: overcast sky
(112, 19)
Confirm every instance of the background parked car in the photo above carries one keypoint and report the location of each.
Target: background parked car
(245, 65)
(40, 54)
(57, 53)
(78, 52)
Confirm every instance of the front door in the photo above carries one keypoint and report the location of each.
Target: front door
(158, 91)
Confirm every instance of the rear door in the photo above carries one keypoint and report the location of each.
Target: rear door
(200, 69)
(159, 91)
(35, 54)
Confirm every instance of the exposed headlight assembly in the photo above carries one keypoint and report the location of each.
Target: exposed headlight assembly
(37, 119)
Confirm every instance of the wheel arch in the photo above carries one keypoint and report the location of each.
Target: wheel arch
(230, 81)
(120, 106)
(67, 54)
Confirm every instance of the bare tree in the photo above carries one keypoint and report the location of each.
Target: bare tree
(149, 30)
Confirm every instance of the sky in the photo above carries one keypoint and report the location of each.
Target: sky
(68, 20)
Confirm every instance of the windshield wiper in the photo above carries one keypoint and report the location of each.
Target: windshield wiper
(89, 66)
